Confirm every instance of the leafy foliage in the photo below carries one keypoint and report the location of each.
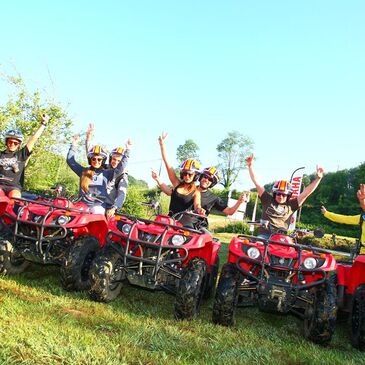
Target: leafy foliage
(133, 205)
(232, 153)
(23, 111)
(187, 150)
(141, 184)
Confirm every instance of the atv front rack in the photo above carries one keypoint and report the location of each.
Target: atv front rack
(299, 271)
(34, 231)
(159, 261)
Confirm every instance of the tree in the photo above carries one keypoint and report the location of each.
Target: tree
(22, 111)
(232, 153)
(187, 150)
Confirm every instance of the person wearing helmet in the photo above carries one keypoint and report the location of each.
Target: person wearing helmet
(356, 220)
(208, 179)
(95, 178)
(278, 208)
(184, 192)
(13, 159)
(116, 189)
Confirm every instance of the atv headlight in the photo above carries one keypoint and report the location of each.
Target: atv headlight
(63, 219)
(178, 239)
(126, 228)
(253, 253)
(310, 263)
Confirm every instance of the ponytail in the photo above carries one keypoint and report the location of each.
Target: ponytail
(85, 179)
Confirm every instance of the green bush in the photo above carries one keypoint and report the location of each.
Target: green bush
(234, 227)
(132, 205)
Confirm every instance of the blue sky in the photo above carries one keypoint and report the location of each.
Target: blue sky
(289, 75)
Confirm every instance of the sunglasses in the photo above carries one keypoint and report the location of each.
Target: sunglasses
(281, 194)
(208, 178)
(187, 174)
(14, 143)
(98, 159)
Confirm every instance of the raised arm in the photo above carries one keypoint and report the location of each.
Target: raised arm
(32, 140)
(89, 137)
(170, 170)
(123, 162)
(71, 161)
(340, 218)
(260, 189)
(361, 196)
(311, 187)
(164, 188)
(242, 199)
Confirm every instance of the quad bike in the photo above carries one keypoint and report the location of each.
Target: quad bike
(279, 275)
(158, 254)
(52, 231)
(351, 294)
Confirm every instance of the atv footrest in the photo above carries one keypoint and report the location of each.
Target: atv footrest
(145, 281)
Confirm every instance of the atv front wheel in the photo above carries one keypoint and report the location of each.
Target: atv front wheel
(77, 262)
(106, 275)
(358, 319)
(226, 296)
(11, 262)
(190, 290)
(321, 313)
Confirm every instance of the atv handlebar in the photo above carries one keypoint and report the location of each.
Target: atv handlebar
(299, 232)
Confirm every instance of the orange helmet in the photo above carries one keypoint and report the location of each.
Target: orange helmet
(97, 151)
(212, 174)
(190, 166)
(283, 187)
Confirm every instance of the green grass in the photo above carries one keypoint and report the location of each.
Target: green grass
(42, 324)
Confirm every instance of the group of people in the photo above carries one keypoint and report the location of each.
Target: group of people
(186, 194)
(103, 184)
(277, 208)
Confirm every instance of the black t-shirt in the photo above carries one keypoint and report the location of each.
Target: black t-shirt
(12, 166)
(209, 201)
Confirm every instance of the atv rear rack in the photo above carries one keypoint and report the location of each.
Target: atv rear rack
(51, 205)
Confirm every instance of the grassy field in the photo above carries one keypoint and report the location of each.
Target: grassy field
(42, 324)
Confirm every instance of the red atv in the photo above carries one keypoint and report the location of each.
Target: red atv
(53, 231)
(351, 295)
(282, 276)
(157, 254)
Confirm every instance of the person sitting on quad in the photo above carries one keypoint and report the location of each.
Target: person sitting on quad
(116, 189)
(13, 159)
(278, 208)
(358, 219)
(184, 192)
(95, 178)
(208, 179)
